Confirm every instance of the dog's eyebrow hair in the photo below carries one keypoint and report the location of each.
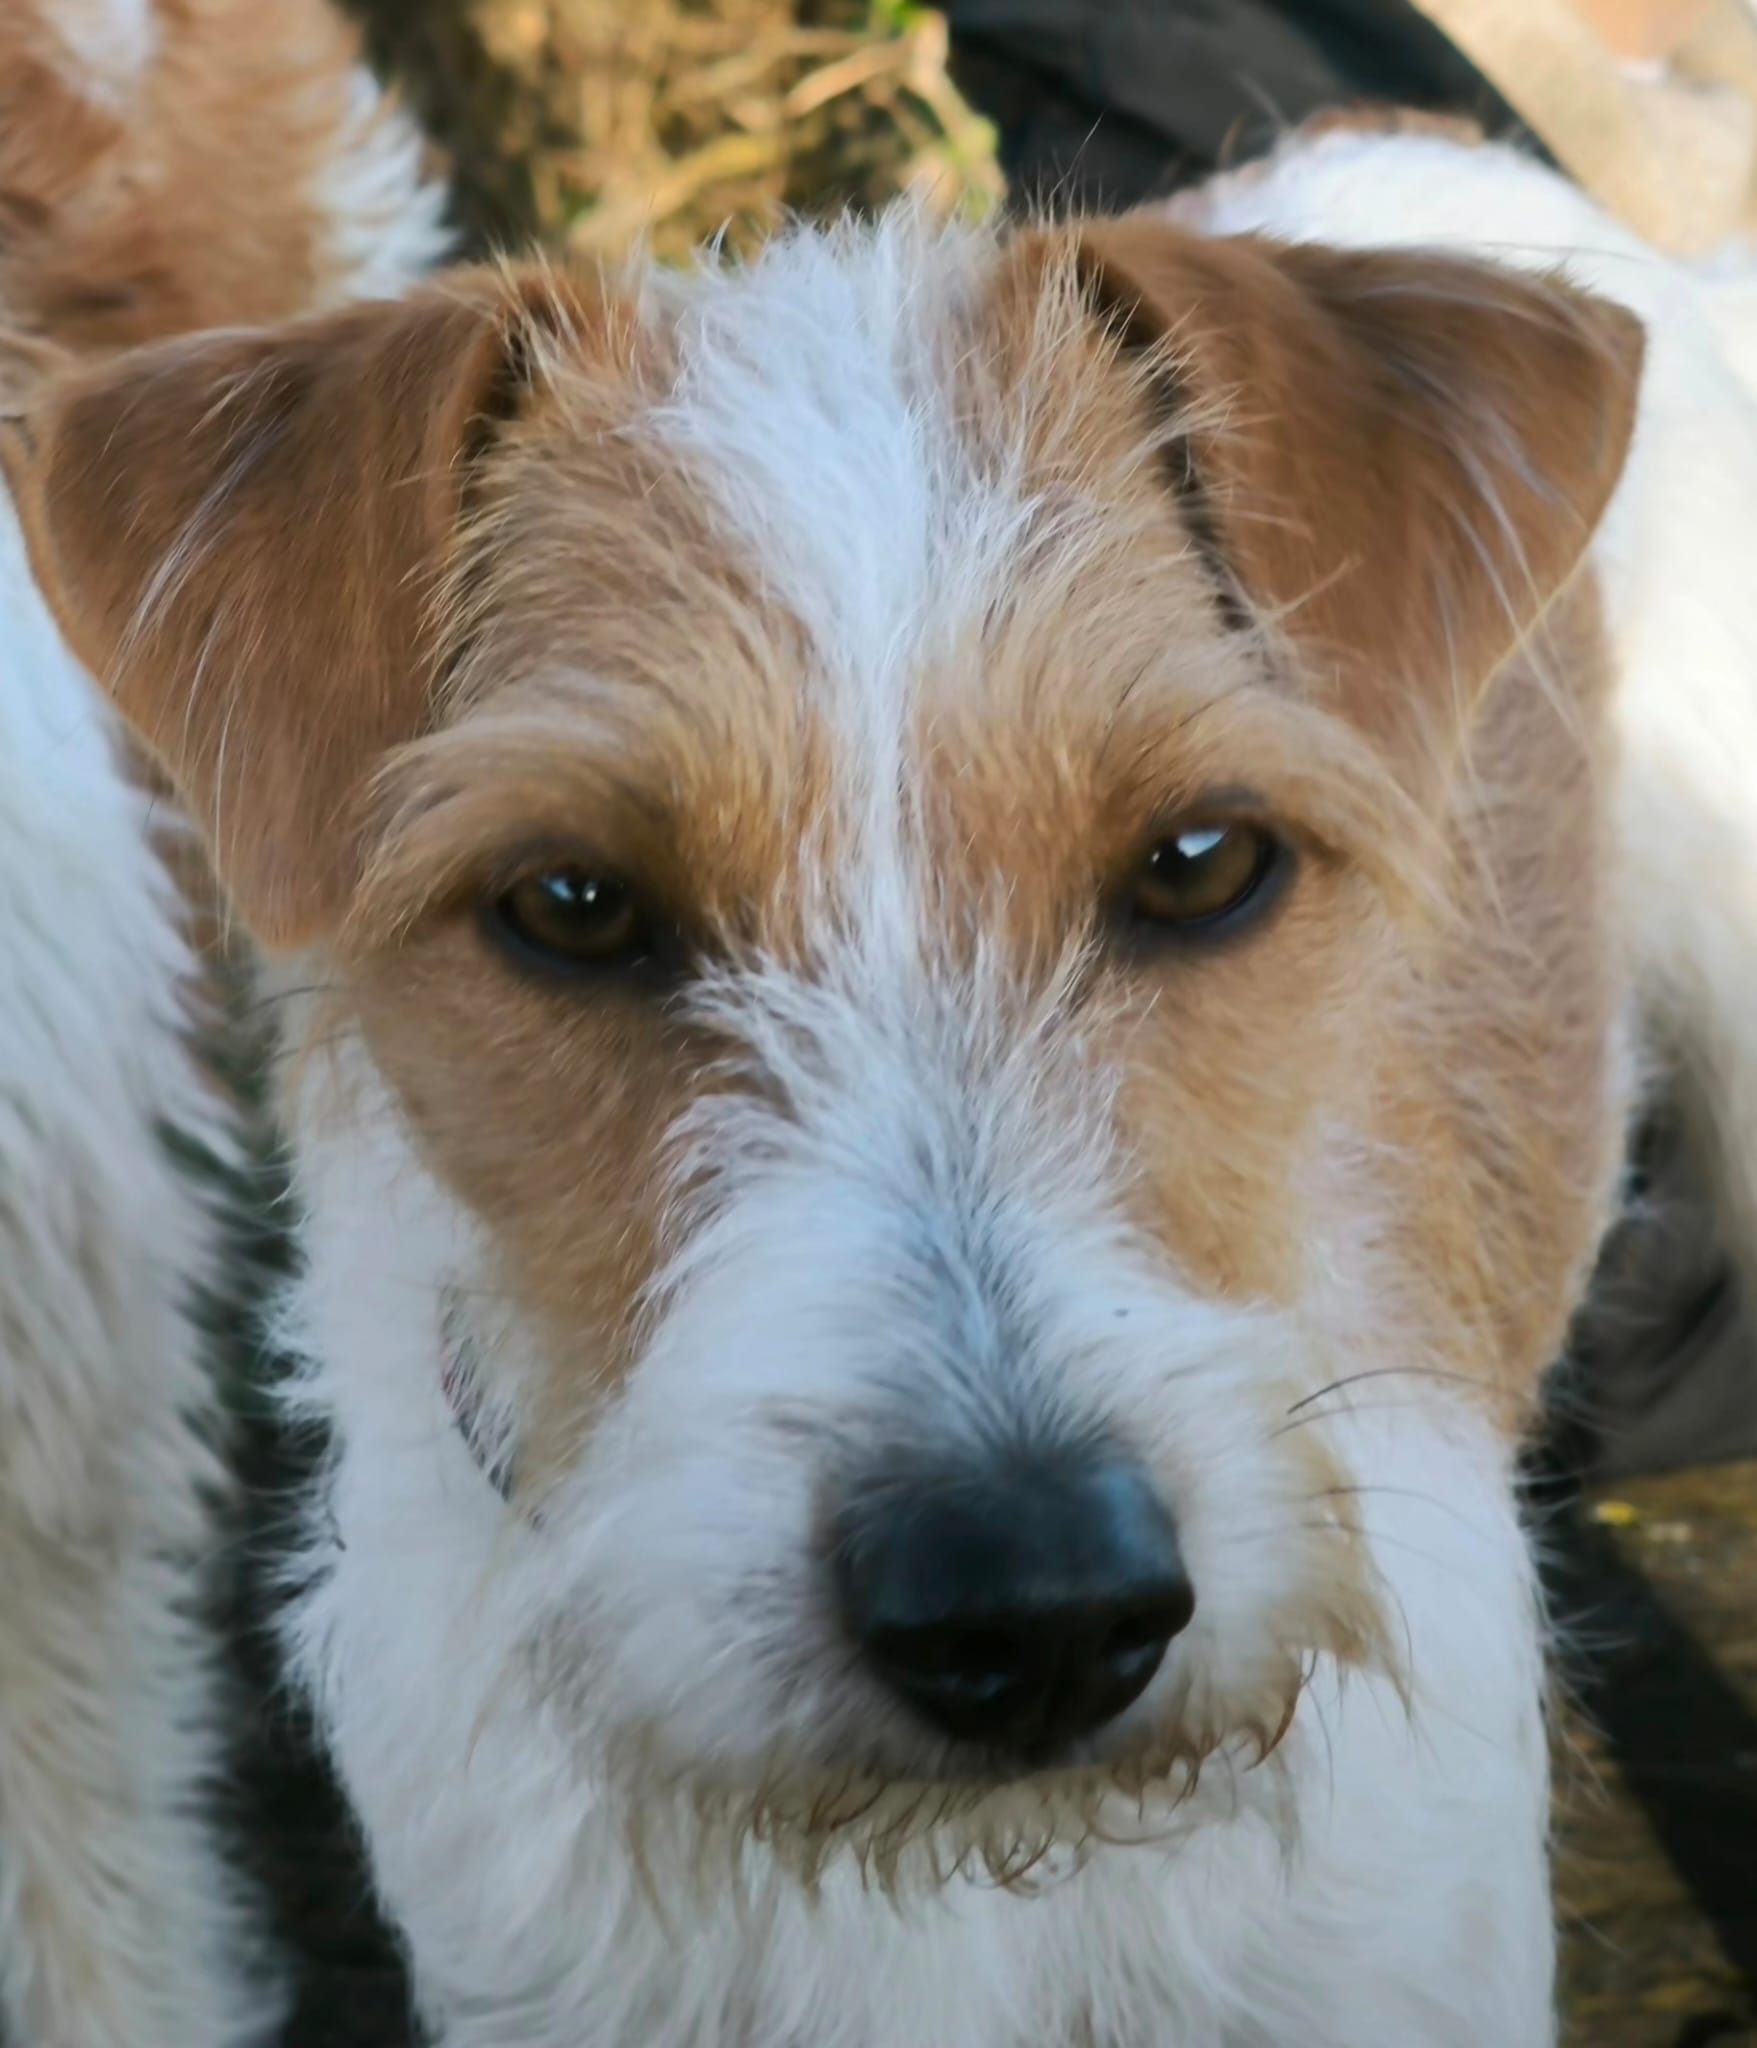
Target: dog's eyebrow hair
(1181, 466)
(1173, 407)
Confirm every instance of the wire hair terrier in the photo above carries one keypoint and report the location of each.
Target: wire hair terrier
(965, 923)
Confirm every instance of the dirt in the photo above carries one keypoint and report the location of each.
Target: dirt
(591, 124)
(1657, 1785)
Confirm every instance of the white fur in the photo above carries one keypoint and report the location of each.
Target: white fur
(386, 219)
(119, 1927)
(116, 1925)
(556, 1730)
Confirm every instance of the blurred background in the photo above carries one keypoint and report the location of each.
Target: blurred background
(592, 126)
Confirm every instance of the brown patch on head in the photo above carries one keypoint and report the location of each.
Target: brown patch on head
(183, 194)
(625, 695)
(386, 670)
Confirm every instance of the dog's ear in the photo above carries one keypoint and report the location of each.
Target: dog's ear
(1400, 457)
(245, 536)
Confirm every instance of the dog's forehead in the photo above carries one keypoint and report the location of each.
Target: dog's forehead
(822, 401)
(884, 543)
(906, 434)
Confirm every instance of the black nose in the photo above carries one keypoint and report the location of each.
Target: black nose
(1020, 1608)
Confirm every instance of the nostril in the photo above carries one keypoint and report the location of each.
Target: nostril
(948, 1652)
(975, 1667)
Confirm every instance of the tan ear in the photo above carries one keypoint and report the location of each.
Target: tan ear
(1401, 456)
(242, 536)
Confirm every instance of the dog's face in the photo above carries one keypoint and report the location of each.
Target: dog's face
(923, 846)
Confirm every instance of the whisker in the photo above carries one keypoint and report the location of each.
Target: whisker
(283, 995)
(1305, 1421)
(1380, 1540)
(1426, 1500)
(1385, 1372)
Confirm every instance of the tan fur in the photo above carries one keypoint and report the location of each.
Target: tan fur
(1454, 450)
(1389, 119)
(184, 197)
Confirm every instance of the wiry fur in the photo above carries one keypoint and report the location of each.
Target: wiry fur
(119, 1925)
(874, 607)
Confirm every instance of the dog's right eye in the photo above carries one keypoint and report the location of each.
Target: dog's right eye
(572, 917)
(1202, 878)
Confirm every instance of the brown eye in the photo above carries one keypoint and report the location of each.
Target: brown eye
(571, 917)
(1204, 874)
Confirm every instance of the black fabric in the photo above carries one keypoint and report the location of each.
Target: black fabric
(1107, 102)
(1662, 1370)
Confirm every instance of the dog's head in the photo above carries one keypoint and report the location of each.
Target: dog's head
(973, 871)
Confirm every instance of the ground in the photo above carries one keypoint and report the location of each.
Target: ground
(589, 123)
(1657, 1783)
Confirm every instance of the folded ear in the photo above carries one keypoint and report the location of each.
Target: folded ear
(243, 537)
(1401, 457)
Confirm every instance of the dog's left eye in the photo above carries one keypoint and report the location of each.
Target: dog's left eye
(1204, 875)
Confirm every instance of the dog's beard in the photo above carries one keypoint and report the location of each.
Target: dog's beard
(840, 1787)
(913, 1835)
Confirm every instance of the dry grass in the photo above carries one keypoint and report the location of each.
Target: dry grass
(591, 124)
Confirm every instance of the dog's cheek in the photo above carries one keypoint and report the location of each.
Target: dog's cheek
(545, 1111)
(695, 1615)
(1242, 1070)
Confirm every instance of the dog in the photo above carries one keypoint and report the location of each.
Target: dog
(966, 923)
(164, 164)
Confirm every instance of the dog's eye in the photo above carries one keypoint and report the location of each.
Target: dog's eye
(1203, 875)
(572, 917)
